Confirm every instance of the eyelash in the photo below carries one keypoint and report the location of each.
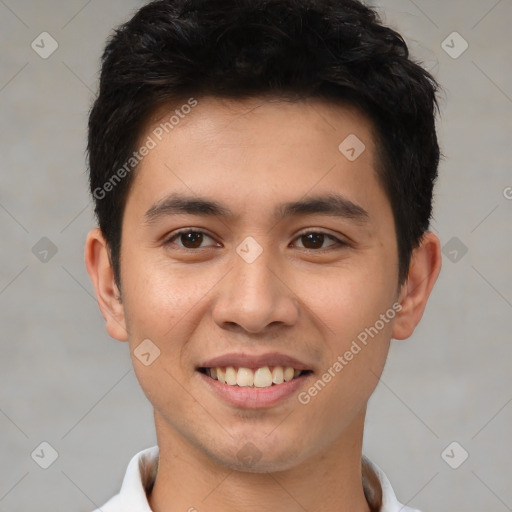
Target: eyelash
(338, 245)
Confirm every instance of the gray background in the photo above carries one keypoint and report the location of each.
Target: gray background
(64, 381)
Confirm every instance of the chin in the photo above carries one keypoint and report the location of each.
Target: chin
(268, 463)
(260, 456)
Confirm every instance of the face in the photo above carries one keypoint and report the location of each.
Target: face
(252, 243)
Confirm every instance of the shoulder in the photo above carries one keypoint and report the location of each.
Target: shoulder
(115, 504)
(139, 477)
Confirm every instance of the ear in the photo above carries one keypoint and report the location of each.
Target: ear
(97, 261)
(423, 272)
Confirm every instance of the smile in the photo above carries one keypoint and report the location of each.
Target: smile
(262, 377)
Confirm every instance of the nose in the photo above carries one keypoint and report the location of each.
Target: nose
(255, 297)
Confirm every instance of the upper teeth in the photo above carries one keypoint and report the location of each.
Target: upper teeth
(261, 378)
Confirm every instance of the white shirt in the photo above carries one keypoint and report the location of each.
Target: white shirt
(142, 468)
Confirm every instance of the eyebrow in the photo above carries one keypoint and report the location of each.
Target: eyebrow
(334, 205)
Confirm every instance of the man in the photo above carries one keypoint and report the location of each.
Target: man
(262, 175)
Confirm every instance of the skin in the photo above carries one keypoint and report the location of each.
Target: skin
(195, 304)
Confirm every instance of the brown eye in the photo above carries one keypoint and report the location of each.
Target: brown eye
(315, 240)
(190, 239)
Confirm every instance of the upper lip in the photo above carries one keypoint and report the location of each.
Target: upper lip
(242, 360)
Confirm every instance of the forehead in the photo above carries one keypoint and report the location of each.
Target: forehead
(233, 120)
(255, 150)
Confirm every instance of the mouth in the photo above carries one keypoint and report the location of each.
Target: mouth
(261, 377)
(254, 381)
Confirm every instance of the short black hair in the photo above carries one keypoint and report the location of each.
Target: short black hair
(338, 50)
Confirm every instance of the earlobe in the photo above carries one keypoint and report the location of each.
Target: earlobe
(423, 273)
(100, 271)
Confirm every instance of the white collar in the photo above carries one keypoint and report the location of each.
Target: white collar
(142, 469)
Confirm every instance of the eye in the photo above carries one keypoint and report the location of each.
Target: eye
(190, 238)
(315, 240)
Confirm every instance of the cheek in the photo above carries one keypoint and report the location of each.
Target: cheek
(357, 354)
(356, 314)
(348, 300)
(159, 295)
(161, 304)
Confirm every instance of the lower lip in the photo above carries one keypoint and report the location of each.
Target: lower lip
(251, 397)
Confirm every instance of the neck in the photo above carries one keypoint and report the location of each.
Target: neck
(188, 480)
